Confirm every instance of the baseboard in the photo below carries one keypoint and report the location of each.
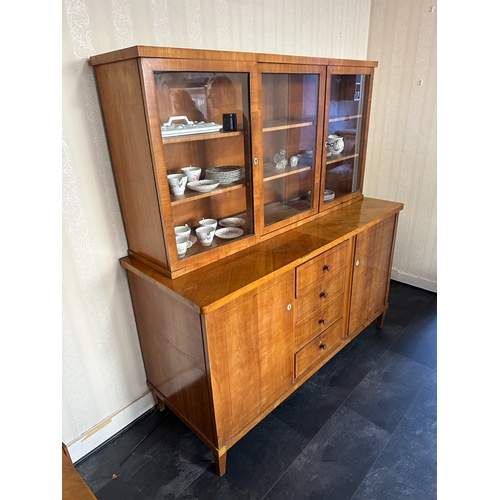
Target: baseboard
(101, 432)
(397, 275)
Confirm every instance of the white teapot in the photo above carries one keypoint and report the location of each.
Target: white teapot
(335, 144)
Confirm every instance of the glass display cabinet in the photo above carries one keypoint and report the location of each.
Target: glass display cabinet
(345, 131)
(251, 144)
(216, 161)
(291, 104)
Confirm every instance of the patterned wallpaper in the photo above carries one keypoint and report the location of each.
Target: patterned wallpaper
(402, 148)
(102, 370)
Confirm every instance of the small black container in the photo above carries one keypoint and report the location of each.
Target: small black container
(229, 122)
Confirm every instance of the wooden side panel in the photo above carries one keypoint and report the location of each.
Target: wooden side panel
(122, 105)
(171, 340)
(372, 267)
(255, 334)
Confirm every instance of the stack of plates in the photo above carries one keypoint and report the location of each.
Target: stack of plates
(224, 175)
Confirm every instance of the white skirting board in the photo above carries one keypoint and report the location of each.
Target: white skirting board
(106, 429)
(397, 275)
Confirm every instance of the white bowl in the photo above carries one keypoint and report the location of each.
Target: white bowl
(203, 186)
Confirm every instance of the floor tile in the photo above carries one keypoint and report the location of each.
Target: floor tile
(419, 341)
(254, 464)
(386, 393)
(335, 462)
(411, 452)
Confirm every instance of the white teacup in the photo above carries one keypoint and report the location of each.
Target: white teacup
(205, 235)
(193, 173)
(208, 223)
(177, 183)
(182, 230)
(183, 243)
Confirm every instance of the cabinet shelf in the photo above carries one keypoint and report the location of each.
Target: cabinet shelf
(344, 118)
(271, 173)
(340, 158)
(279, 211)
(201, 137)
(194, 195)
(285, 124)
(217, 242)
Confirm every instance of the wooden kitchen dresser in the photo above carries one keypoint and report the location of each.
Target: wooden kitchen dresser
(301, 260)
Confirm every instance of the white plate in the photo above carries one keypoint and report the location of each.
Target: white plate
(229, 233)
(232, 222)
(203, 186)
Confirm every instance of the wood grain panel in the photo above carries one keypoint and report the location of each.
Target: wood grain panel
(320, 319)
(371, 274)
(321, 347)
(214, 285)
(321, 267)
(127, 134)
(324, 292)
(172, 346)
(258, 334)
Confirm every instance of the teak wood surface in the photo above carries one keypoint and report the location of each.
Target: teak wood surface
(224, 345)
(213, 285)
(229, 333)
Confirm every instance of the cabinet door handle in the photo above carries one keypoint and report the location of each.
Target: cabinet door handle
(327, 267)
(322, 321)
(357, 262)
(289, 307)
(255, 161)
(323, 346)
(323, 295)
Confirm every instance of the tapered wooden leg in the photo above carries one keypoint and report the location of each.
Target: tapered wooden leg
(158, 402)
(220, 463)
(380, 319)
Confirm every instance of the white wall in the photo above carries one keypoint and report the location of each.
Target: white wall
(102, 372)
(402, 148)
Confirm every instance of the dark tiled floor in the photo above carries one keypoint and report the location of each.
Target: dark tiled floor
(362, 428)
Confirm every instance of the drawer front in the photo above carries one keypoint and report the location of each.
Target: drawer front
(321, 267)
(318, 348)
(320, 295)
(319, 320)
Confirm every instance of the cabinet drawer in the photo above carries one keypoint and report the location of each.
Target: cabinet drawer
(320, 295)
(319, 320)
(321, 267)
(318, 348)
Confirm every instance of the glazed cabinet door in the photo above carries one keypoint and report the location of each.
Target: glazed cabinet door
(287, 136)
(250, 343)
(346, 128)
(199, 113)
(372, 273)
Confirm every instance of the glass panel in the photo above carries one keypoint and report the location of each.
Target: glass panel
(195, 134)
(347, 95)
(289, 114)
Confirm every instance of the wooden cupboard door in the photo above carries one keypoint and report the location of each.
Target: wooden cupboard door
(371, 275)
(259, 343)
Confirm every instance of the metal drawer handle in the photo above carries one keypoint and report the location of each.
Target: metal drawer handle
(322, 321)
(327, 267)
(323, 346)
(323, 295)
